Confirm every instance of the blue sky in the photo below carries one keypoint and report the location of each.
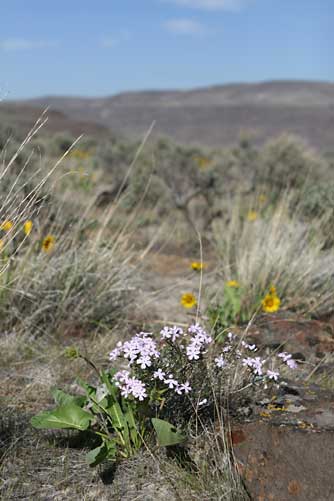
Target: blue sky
(80, 47)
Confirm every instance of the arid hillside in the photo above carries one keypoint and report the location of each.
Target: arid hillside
(213, 116)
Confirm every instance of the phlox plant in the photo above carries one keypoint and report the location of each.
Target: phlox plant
(126, 408)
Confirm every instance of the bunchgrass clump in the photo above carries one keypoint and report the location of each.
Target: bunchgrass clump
(275, 248)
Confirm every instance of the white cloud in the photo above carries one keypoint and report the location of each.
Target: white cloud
(210, 4)
(17, 44)
(184, 27)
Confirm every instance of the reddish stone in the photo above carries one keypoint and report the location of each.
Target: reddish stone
(289, 455)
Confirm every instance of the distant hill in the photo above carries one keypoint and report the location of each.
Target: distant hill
(22, 117)
(213, 116)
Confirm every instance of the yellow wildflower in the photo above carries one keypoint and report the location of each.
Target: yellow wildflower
(271, 303)
(233, 283)
(48, 243)
(251, 215)
(27, 227)
(272, 290)
(197, 265)
(203, 162)
(262, 199)
(188, 300)
(6, 225)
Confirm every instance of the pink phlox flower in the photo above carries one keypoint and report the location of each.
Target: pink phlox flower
(193, 352)
(291, 363)
(144, 361)
(171, 382)
(287, 358)
(202, 402)
(251, 347)
(273, 375)
(255, 364)
(141, 347)
(183, 388)
(165, 333)
(121, 376)
(231, 336)
(176, 332)
(130, 386)
(284, 356)
(227, 348)
(159, 374)
(195, 328)
(115, 353)
(171, 333)
(220, 362)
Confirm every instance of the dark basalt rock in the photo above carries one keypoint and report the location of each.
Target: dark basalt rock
(286, 452)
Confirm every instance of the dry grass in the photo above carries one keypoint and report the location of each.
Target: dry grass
(276, 248)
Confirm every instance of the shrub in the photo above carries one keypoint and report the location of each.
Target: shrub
(287, 163)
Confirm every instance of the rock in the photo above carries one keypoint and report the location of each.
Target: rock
(287, 451)
(305, 339)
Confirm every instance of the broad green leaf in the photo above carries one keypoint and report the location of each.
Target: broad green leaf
(61, 398)
(66, 416)
(90, 390)
(167, 434)
(104, 451)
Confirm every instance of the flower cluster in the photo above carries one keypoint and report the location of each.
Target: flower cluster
(140, 349)
(256, 365)
(141, 353)
(171, 333)
(287, 358)
(198, 342)
(172, 383)
(130, 386)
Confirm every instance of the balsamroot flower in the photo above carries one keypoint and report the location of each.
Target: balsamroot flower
(27, 227)
(188, 300)
(252, 215)
(271, 303)
(6, 226)
(197, 265)
(233, 283)
(48, 243)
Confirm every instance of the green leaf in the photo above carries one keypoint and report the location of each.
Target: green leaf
(61, 398)
(90, 390)
(66, 416)
(167, 434)
(133, 428)
(104, 451)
